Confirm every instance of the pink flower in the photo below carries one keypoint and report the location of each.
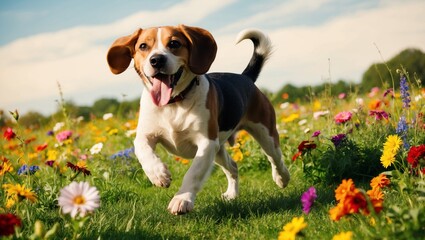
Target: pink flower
(343, 117)
(379, 114)
(64, 135)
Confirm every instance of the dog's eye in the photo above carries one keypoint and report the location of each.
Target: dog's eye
(143, 46)
(174, 44)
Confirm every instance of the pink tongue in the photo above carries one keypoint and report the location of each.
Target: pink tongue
(161, 91)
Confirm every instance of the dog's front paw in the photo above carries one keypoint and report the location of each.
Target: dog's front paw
(181, 204)
(281, 178)
(229, 195)
(159, 175)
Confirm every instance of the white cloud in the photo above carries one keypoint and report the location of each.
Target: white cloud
(30, 67)
(302, 54)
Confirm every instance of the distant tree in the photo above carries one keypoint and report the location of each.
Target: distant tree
(379, 74)
(105, 105)
(32, 119)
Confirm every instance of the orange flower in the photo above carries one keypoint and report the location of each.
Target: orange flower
(380, 181)
(337, 212)
(345, 187)
(355, 201)
(375, 194)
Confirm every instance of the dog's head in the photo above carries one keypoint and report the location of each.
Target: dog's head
(166, 58)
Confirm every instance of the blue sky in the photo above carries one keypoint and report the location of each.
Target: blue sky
(46, 42)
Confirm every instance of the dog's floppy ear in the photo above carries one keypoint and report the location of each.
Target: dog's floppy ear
(121, 52)
(202, 48)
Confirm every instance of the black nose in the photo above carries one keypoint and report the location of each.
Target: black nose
(157, 61)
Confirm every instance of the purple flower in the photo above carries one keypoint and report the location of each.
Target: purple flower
(404, 90)
(316, 133)
(401, 130)
(307, 199)
(337, 139)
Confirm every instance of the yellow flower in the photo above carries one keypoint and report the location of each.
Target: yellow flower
(393, 143)
(391, 147)
(52, 155)
(237, 155)
(317, 105)
(113, 131)
(387, 159)
(5, 167)
(19, 192)
(343, 236)
(290, 230)
(291, 117)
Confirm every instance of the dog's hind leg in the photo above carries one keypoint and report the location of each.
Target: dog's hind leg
(268, 139)
(229, 168)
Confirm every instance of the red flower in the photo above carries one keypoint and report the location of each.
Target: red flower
(9, 134)
(8, 222)
(41, 147)
(416, 153)
(304, 146)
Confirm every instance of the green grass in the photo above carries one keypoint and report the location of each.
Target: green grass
(132, 208)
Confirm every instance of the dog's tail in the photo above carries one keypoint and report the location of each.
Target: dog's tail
(262, 51)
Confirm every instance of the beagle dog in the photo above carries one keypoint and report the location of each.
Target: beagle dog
(192, 113)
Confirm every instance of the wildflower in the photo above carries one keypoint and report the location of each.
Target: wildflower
(9, 134)
(308, 198)
(402, 129)
(96, 148)
(343, 236)
(25, 170)
(342, 95)
(404, 91)
(113, 131)
(317, 115)
(41, 147)
(343, 117)
(5, 166)
(375, 104)
(184, 161)
(373, 91)
(416, 156)
(107, 116)
(78, 198)
(291, 117)
(389, 91)
(359, 101)
(344, 188)
(79, 167)
(19, 192)
(52, 154)
(380, 181)
(123, 154)
(8, 222)
(337, 139)
(391, 147)
(292, 229)
(303, 147)
(379, 114)
(58, 126)
(64, 135)
(316, 133)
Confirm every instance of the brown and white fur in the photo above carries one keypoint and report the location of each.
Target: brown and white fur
(191, 113)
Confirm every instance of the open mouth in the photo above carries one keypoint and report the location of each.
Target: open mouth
(163, 85)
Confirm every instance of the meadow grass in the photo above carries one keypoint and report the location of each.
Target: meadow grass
(132, 208)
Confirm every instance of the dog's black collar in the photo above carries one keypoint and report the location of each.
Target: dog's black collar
(182, 95)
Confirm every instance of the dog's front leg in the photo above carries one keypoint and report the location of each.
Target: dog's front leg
(183, 201)
(152, 165)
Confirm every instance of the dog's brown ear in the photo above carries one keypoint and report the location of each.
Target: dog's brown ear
(121, 52)
(202, 48)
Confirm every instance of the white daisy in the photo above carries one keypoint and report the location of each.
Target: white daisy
(79, 198)
(96, 148)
